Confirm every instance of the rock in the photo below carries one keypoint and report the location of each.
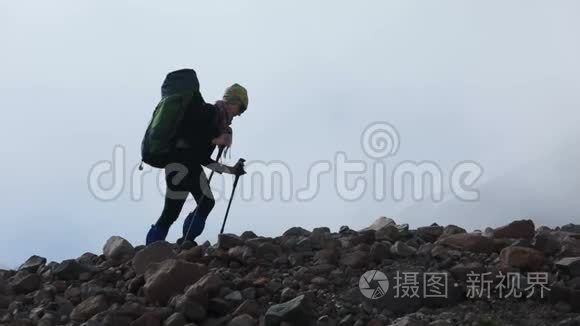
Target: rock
(297, 311)
(154, 253)
(242, 254)
(248, 235)
(207, 285)
(148, 319)
(572, 228)
(170, 277)
(547, 243)
(242, 320)
(388, 233)
(380, 223)
(380, 251)
(33, 264)
(234, 296)
(192, 310)
(522, 229)
(24, 282)
(303, 245)
(430, 233)
(408, 321)
(249, 307)
(357, 259)
(453, 229)
(118, 250)
(468, 242)
(227, 241)
(570, 264)
(401, 249)
(297, 232)
(344, 230)
(88, 308)
(69, 270)
(521, 257)
(176, 319)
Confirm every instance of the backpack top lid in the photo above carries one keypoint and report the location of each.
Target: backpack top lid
(180, 81)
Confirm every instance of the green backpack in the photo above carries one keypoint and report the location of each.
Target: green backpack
(179, 90)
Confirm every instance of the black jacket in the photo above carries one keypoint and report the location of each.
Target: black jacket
(201, 124)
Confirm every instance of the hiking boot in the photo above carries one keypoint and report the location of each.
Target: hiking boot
(156, 233)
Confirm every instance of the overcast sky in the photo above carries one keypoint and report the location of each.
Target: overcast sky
(495, 82)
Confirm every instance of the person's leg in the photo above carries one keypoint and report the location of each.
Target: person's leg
(199, 188)
(176, 176)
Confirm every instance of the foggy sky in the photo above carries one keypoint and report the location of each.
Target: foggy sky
(496, 82)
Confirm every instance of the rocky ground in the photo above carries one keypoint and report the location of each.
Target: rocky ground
(311, 278)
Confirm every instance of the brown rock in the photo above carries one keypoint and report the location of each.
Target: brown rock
(521, 257)
(522, 229)
(154, 253)
(170, 277)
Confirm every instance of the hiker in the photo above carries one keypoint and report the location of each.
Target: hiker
(204, 126)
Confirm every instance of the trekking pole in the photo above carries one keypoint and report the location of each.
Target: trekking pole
(241, 161)
(221, 150)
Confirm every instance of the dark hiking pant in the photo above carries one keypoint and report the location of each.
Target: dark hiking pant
(182, 180)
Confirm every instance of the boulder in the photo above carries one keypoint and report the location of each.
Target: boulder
(154, 253)
(468, 242)
(297, 311)
(24, 282)
(227, 241)
(522, 257)
(33, 264)
(118, 250)
(170, 277)
(89, 307)
(522, 229)
(401, 249)
(380, 223)
(570, 264)
(69, 270)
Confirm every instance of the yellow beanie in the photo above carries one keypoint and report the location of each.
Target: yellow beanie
(237, 92)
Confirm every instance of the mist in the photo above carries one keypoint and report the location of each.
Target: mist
(494, 82)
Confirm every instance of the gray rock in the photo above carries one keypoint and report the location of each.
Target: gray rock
(356, 259)
(192, 310)
(297, 232)
(297, 311)
(118, 249)
(24, 282)
(401, 249)
(380, 251)
(33, 264)
(69, 270)
(176, 319)
(570, 264)
(242, 320)
(380, 223)
(228, 240)
(90, 307)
